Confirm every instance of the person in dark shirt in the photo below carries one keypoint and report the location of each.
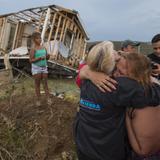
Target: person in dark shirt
(155, 56)
(145, 121)
(99, 124)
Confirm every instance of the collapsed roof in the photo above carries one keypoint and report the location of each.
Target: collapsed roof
(34, 15)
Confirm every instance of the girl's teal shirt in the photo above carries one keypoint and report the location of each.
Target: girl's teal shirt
(40, 53)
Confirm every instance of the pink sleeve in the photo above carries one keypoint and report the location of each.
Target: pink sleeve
(78, 80)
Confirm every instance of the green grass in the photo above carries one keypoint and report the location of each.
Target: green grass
(26, 86)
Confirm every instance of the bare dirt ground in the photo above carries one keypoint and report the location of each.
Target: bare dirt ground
(29, 132)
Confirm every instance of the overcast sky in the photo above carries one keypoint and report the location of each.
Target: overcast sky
(105, 19)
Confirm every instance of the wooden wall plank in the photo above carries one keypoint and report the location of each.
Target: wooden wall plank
(40, 21)
(84, 49)
(3, 32)
(63, 27)
(52, 26)
(65, 30)
(79, 46)
(58, 27)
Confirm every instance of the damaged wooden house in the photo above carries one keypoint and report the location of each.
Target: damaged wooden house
(62, 33)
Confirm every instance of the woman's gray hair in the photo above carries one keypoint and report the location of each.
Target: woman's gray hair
(101, 57)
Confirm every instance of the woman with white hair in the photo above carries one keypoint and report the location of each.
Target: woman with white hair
(99, 125)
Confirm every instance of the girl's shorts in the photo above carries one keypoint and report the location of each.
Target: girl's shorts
(39, 70)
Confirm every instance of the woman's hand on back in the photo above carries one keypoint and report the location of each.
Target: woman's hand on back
(101, 80)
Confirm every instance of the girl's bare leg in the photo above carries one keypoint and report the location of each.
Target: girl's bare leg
(37, 80)
(45, 85)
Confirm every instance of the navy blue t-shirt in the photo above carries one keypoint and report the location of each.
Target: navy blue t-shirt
(99, 125)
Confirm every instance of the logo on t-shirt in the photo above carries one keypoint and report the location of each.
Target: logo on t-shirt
(89, 105)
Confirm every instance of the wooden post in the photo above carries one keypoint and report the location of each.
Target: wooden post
(62, 31)
(67, 24)
(15, 35)
(51, 30)
(19, 41)
(72, 26)
(1, 28)
(70, 47)
(80, 48)
(40, 21)
(56, 34)
(1, 22)
(6, 61)
(78, 43)
(59, 22)
(18, 36)
(75, 29)
(84, 49)
(74, 43)
(45, 24)
(3, 32)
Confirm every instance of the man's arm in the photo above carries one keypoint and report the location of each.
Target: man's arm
(101, 80)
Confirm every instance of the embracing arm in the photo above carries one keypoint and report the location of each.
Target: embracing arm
(101, 80)
(132, 135)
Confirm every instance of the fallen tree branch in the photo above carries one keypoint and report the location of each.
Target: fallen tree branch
(7, 152)
(1, 156)
(23, 73)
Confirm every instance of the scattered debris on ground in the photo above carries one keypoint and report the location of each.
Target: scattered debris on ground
(29, 132)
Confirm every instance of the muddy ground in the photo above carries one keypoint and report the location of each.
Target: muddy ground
(29, 132)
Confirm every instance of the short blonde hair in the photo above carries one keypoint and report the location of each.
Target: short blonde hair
(101, 57)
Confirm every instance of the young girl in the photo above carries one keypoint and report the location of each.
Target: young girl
(38, 59)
